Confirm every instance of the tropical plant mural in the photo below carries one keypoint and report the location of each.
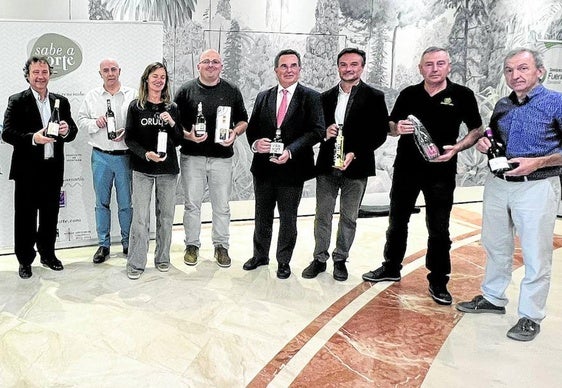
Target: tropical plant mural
(393, 33)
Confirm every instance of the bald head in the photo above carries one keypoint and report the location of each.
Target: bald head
(209, 67)
(110, 72)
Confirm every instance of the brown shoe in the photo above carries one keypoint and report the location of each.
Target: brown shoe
(221, 255)
(191, 255)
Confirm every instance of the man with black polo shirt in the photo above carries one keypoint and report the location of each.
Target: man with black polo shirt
(110, 157)
(441, 106)
(205, 162)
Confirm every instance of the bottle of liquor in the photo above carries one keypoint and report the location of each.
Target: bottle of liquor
(277, 145)
(162, 143)
(110, 119)
(54, 122)
(423, 140)
(339, 156)
(497, 160)
(200, 122)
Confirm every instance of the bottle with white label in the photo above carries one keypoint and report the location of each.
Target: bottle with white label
(110, 122)
(52, 130)
(200, 122)
(162, 144)
(497, 161)
(276, 145)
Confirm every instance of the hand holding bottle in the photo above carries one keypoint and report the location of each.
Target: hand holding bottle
(331, 131)
(167, 118)
(154, 157)
(404, 127)
(191, 136)
(40, 138)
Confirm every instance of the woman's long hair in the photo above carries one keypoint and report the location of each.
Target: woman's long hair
(143, 88)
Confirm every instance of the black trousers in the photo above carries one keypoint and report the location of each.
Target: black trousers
(438, 191)
(269, 192)
(36, 210)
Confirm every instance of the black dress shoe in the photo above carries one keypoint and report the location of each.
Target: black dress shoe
(25, 271)
(315, 267)
(254, 263)
(125, 251)
(283, 271)
(101, 255)
(340, 270)
(52, 263)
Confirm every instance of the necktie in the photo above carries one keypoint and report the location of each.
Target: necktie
(282, 108)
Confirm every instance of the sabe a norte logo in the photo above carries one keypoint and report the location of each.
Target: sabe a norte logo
(63, 53)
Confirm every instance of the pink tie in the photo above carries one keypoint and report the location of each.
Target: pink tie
(282, 108)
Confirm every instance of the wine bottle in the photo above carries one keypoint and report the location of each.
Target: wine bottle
(110, 122)
(162, 143)
(200, 122)
(339, 156)
(276, 145)
(423, 140)
(52, 130)
(497, 161)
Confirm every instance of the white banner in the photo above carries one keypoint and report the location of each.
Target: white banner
(75, 50)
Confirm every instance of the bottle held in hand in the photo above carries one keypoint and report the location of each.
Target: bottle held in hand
(497, 161)
(162, 144)
(277, 146)
(110, 120)
(200, 122)
(423, 140)
(52, 130)
(339, 156)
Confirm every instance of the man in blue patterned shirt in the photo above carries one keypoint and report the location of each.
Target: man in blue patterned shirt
(524, 200)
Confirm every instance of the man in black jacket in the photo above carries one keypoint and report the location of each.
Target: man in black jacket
(360, 112)
(37, 165)
(295, 111)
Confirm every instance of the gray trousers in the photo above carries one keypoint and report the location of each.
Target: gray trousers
(327, 188)
(165, 197)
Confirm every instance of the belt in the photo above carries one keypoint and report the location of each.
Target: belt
(115, 152)
(519, 178)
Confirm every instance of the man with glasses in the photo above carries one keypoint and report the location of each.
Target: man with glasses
(294, 112)
(206, 161)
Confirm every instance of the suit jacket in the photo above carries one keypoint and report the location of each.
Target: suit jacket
(21, 120)
(302, 127)
(365, 128)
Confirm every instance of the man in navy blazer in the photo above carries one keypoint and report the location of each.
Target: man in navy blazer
(279, 180)
(37, 165)
(360, 112)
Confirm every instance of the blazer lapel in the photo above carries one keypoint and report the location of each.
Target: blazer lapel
(271, 105)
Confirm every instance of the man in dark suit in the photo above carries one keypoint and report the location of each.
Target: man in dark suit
(37, 165)
(296, 111)
(360, 112)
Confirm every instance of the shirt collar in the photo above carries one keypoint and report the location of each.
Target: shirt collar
(291, 88)
(532, 93)
(37, 97)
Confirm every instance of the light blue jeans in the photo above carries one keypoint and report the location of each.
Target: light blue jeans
(528, 209)
(198, 173)
(165, 196)
(109, 170)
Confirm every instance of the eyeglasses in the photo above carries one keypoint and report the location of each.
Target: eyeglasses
(206, 62)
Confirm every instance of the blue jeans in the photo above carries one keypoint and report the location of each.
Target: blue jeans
(165, 196)
(327, 188)
(438, 191)
(108, 170)
(198, 173)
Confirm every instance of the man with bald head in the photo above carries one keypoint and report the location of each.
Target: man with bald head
(110, 156)
(206, 161)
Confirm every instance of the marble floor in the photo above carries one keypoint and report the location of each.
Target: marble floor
(205, 326)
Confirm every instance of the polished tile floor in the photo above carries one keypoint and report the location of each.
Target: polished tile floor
(205, 326)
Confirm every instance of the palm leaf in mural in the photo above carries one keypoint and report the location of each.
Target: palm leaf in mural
(171, 12)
